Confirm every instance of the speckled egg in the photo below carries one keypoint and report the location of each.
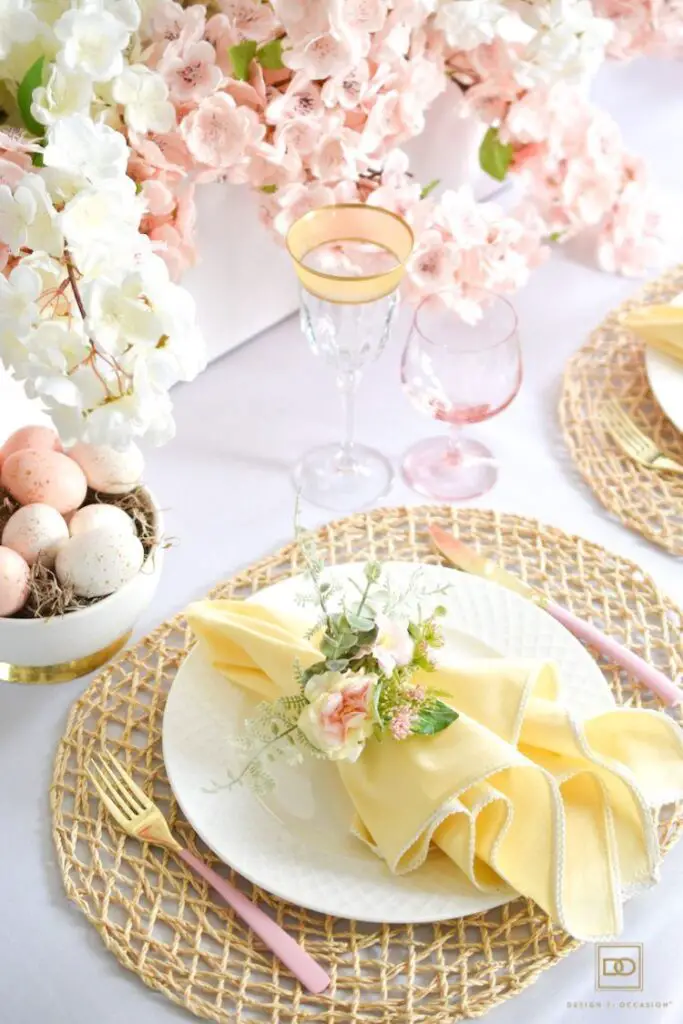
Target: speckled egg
(46, 477)
(14, 577)
(108, 470)
(92, 517)
(36, 532)
(99, 562)
(41, 439)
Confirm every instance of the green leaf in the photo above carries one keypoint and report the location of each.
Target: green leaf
(337, 664)
(269, 189)
(429, 187)
(37, 160)
(241, 57)
(346, 642)
(360, 623)
(495, 156)
(270, 55)
(434, 718)
(555, 237)
(31, 80)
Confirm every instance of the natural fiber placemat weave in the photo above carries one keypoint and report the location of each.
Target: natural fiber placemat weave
(612, 365)
(161, 922)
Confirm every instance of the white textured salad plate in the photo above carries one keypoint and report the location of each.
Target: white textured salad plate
(666, 379)
(295, 842)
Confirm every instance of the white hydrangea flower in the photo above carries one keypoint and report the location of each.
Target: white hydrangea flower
(66, 92)
(85, 148)
(28, 219)
(120, 314)
(18, 24)
(144, 96)
(92, 41)
(569, 42)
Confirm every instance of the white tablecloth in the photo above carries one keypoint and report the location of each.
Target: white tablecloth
(225, 482)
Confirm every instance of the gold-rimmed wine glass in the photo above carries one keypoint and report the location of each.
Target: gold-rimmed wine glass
(350, 260)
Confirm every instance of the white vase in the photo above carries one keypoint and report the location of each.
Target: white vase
(448, 148)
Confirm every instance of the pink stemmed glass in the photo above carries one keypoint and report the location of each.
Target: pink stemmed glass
(459, 373)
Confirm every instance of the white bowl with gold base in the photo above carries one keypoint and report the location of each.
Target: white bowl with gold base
(64, 647)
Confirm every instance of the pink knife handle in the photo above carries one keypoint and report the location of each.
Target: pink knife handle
(310, 974)
(620, 655)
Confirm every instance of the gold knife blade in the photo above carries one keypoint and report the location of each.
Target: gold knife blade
(469, 560)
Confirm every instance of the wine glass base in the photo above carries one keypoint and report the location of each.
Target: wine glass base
(433, 468)
(330, 478)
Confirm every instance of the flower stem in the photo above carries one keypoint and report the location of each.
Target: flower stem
(71, 271)
(258, 754)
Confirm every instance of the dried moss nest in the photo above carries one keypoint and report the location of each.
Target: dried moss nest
(47, 596)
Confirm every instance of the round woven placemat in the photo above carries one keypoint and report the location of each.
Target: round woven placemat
(160, 920)
(612, 365)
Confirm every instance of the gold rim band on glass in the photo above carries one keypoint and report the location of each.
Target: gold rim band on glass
(350, 222)
(44, 674)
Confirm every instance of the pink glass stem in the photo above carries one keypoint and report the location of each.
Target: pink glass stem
(651, 677)
(301, 964)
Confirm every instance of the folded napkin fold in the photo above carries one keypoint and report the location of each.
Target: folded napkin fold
(661, 327)
(516, 792)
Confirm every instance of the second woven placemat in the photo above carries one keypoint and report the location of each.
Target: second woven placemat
(161, 921)
(612, 365)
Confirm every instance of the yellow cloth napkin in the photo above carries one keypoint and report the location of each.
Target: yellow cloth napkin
(516, 791)
(661, 327)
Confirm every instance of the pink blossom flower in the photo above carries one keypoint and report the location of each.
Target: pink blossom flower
(293, 201)
(251, 19)
(169, 22)
(340, 716)
(402, 722)
(190, 71)
(348, 90)
(219, 134)
(337, 155)
(300, 99)
(222, 35)
(330, 53)
(167, 153)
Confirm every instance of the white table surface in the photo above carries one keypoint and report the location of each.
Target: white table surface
(225, 482)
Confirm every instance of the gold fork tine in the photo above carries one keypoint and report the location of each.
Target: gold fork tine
(103, 791)
(116, 786)
(631, 439)
(141, 797)
(629, 427)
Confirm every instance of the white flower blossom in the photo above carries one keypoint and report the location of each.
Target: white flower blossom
(66, 92)
(92, 41)
(467, 24)
(394, 646)
(86, 149)
(18, 297)
(28, 218)
(18, 24)
(100, 226)
(144, 96)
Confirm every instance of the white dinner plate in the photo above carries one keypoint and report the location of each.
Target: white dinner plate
(295, 842)
(666, 379)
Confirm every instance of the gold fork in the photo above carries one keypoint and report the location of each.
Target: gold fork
(631, 439)
(137, 815)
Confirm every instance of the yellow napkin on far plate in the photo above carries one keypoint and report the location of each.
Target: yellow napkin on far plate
(661, 327)
(515, 791)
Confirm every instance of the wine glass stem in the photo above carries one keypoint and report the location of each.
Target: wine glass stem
(348, 385)
(454, 445)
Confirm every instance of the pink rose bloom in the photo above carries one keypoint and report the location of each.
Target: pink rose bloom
(190, 71)
(340, 717)
(251, 19)
(219, 133)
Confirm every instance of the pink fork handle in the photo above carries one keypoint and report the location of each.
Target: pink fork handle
(310, 974)
(651, 677)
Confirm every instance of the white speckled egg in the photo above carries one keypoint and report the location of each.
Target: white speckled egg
(93, 517)
(108, 470)
(36, 532)
(99, 562)
(14, 577)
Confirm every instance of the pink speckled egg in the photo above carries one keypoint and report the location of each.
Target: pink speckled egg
(41, 439)
(14, 576)
(48, 478)
(36, 532)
